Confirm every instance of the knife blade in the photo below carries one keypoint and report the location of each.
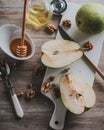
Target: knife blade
(67, 37)
(64, 34)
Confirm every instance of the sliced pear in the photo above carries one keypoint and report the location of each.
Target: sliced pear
(76, 94)
(60, 53)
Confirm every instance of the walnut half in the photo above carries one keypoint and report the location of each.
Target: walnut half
(46, 87)
(66, 23)
(88, 45)
(30, 94)
(50, 28)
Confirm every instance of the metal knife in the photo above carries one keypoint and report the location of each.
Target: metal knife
(4, 72)
(67, 37)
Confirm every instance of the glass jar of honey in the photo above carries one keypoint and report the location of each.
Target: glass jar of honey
(39, 13)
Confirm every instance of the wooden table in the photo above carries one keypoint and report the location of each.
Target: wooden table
(38, 111)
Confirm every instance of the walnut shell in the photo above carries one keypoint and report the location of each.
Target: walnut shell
(66, 23)
(50, 28)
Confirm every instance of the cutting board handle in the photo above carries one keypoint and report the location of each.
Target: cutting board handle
(58, 116)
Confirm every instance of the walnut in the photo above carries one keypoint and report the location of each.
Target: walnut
(56, 92)
(88, 45)
(30, 94)
(37, 69)
(51, 78)
(66, 70)
(20, 94)
(46, 87)
(50, 28)
(66, 23)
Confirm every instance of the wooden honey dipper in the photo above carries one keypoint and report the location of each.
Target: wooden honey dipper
(21, 50)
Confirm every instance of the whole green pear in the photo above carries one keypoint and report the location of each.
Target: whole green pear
(90, 18)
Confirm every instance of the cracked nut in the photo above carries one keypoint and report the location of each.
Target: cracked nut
(88, 45)
(66, 23)
(37, 69)
(30, 85)
(30, 94)
(46, 87)
(20, 94)
(51, 78)
(50, 28)
(56, 92)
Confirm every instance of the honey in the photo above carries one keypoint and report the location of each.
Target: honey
(38, 16)
(16, 42)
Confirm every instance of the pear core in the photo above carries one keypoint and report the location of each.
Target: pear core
(76, 93)
(60, 53)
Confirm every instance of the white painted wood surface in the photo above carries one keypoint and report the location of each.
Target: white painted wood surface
(79, 67)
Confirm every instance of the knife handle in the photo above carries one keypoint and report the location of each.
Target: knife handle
(17, 106)
(16, 103)
(58, 116)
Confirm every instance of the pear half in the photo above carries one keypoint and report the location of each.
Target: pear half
(60, 53)
(76, 94)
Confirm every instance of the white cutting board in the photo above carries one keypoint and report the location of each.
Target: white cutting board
(79, 67)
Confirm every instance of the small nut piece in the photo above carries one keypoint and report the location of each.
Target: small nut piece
(20, 94)
(46, 87)
(66, 70)
(37, 69)
(56, 92)
(88, 45)
(51, 78)
(30, 94)
(50, 28)
(66, 23)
